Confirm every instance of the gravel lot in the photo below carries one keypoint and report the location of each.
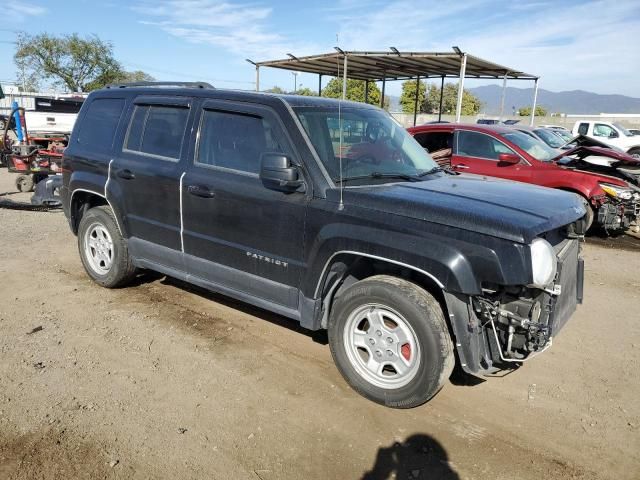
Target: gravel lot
(162, 380)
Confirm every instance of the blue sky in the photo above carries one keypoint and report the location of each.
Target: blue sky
(588, 45)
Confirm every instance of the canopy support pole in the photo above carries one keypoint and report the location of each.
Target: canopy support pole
(320, 85)
(415, 102)
(535, 101)
(366, 91)
(384, 81)
(344, 79)
(441, 95)
(463, 70)
(504, 90)
(257, 78)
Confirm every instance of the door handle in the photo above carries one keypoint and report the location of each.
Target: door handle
(201, 191)
(126, 174)
(461, 166)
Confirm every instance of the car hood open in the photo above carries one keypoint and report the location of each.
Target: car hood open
(499, 208)
(586, 146)
(594, 157)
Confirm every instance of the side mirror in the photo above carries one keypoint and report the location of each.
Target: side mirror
(508, 158)
(613, 134)
(278, 173)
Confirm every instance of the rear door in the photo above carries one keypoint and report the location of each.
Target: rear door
(146, 176)
(478, 153)
(238, 233)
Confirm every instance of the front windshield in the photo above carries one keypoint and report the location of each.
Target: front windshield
(537, 149)
(564, 135)
(373, 144)
(550, 138)
(624, 131)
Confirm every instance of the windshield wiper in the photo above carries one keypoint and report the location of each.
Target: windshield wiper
(431, 172)
(376, 175)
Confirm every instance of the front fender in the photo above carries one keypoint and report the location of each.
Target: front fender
(455, 261)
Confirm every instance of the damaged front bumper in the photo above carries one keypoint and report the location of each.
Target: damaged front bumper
(504, 327)
(618, 215)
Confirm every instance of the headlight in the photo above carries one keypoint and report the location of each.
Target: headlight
(617, 192)
(543, 262)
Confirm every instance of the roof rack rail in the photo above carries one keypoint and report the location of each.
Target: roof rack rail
(161, 84)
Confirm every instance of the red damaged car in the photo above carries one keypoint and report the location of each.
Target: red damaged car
(503, 152)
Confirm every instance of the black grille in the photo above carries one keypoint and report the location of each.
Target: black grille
(566, 302)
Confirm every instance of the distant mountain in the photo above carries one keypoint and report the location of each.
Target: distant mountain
(574, 101)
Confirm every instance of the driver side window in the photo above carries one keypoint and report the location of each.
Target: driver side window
(479, 145)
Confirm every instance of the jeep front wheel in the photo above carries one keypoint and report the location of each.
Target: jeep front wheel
(390, 341)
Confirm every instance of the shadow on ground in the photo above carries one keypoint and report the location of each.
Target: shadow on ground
(419, 457)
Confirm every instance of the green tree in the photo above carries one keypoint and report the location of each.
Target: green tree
(408, 96)
(118, 76)
(355, 91)
(136, 76)
(432, 99)
(526, 111)
(471, 104)
(75, 63)
(275, 89)
(306, 92)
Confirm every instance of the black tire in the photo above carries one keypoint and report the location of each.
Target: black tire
(121, 269)
(590, 214)
(24, 183)
(634, 152)
(424, 316)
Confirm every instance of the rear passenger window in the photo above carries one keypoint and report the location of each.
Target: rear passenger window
(235, 140)
(157, 130)
(99, 124)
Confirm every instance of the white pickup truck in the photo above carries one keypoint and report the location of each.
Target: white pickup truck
(611, 133)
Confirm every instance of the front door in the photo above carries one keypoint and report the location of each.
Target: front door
(478, 153)
(237, 233)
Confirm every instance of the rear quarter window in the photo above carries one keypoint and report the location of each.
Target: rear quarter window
(434, 141)
(583, 128)
(99, 125)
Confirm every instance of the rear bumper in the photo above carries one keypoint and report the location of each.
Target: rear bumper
(47, 191)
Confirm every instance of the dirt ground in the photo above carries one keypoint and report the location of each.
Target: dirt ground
(161, 380)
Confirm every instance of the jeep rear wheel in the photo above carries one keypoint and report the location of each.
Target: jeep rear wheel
(389, 340)
(103, 251)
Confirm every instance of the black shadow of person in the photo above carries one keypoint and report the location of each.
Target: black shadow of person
(419, 457)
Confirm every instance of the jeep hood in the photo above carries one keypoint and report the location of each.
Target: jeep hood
(499, 208)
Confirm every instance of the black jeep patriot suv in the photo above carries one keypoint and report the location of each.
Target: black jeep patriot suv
(328, 213)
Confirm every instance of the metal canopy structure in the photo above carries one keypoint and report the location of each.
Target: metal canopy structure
(397, 65)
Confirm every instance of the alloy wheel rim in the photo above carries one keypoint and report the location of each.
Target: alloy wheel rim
(381, 346)
(98, 247)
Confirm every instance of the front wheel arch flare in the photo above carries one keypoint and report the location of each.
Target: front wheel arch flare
(346, 269)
